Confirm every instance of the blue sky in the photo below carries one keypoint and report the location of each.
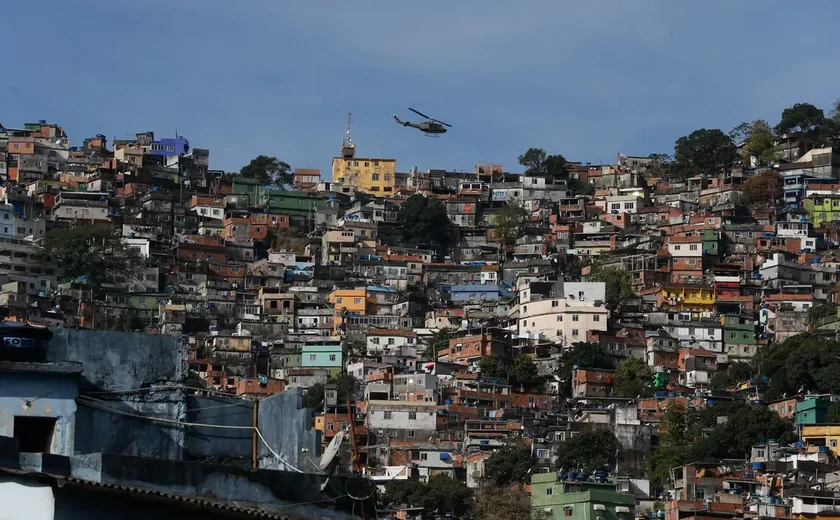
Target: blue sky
(276, 77)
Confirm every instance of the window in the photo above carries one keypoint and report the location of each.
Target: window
(374, 177)
(332, 357)
(574, 332)
(424, 456)
(559, 317)
(628, 205)
(555, 303)
(357, 301)
(386, 415)
(339, 300)
(410, 434)
(312, 357)
(692, 247)
(676, 247)
(567, 511)
(575, 317)
(542, 453)
(549, 491)
(596, 318)
(330, 426)
(412, 416)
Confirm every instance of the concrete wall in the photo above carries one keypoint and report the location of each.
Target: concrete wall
(217, 443)
(48, 396)
(104, 431)
(287, 428)
(120, 360)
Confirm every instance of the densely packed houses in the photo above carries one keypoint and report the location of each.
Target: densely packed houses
(445, 320)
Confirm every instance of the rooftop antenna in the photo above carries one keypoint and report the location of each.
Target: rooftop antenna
(348, 147)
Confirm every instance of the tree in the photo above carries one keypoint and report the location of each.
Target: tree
(509, 465)
(537, 162)
(437, 342)
(525, 374)
(129, 321)
(722, 430)
(704, 152)
(803, 363)
(493, 367)
(632, 379)
(660, 166)
(744, 426)
(95, 253)
(443, 494)
(505, 503)
(288, 239)
(617, 284)
(759, 143)
(596, 450)
(821, 311)
(834, 413)
(268, 170)
(507, 224)
(736, 373)
(801, 118)
(424, 221)
(763, 190)
(348, 388)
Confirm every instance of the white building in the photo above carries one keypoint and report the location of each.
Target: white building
(380, 339)
(565, 319)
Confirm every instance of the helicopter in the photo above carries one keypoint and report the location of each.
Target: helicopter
(431, 128)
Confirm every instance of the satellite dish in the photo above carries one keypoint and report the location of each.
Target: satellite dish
(331, 451)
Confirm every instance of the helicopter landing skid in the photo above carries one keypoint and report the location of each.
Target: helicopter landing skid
(433, 136)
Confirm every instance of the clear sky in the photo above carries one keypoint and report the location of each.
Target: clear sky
(587, 79)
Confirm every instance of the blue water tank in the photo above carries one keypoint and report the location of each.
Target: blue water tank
(448, 401)
(758, 466)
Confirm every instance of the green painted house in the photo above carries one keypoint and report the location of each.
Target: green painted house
(821, 209)
(738, 330)
(812, 411)
(297, 204)
(564, 499)
(249, 187)
(712, 242)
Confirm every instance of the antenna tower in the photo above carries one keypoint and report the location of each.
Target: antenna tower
(348, 147)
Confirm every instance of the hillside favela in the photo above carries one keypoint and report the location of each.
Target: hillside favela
(654, 337)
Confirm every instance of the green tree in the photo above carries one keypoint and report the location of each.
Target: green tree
(437, 342)
(493, 367)
(617, 284)
(509, 465)
(93, 251)
(505, 503)
(744, 426)
(759, 143)
(660, 166)
(129, 321)
(704, 151)
(801, 118)
(736, 373)
(442, 494)
(803, 363)
(525, 374)
(675, 439)
(633, 379)
(821, 311)
(763, 190)
(834, 413)
(537, 162)
(424, 222)
(268, 170)
(596, 450)
(507, 225)
(347, 385)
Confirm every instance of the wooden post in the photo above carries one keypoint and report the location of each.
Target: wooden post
(254, 438)
(356, 466)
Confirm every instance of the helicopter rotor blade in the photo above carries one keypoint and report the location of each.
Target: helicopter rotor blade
(419, 113)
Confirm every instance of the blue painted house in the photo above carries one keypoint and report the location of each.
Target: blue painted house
(323, 354)
(169, 147)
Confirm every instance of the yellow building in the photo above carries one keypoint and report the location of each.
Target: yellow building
(686, 298)
(373, 176)
(350, 302)
(822, 435)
